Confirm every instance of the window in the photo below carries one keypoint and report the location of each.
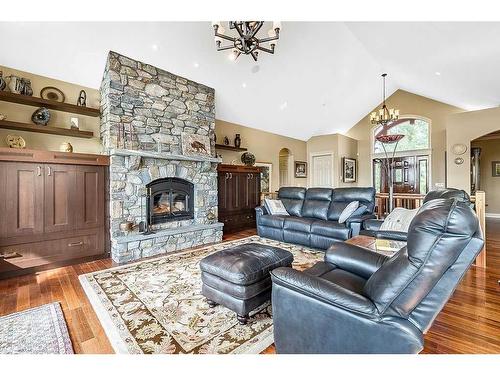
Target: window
(416, 133)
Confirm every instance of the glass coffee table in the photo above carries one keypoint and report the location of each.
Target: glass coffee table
(382, 246)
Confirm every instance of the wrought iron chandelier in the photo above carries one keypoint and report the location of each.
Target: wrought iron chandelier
(384, 115)
(245, 40)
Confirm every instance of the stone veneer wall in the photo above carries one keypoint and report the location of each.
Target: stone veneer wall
(158, 106)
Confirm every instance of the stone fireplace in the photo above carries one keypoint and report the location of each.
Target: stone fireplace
(145, 110)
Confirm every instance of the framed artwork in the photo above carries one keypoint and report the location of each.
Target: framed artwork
(495, 168)
(300, 169)
(195, 144)
(266, 173)
(349, 170)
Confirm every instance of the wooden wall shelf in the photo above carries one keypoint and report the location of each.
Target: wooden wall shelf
(39, 102)
(44, 129)
(231, 148)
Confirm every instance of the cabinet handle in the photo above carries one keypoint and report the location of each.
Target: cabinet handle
(230, 176)
(227, 176)
(38, 171)
(75, 244)
(49, 171)
(10, 255)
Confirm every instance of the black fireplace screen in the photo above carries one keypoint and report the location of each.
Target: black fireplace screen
(169, 199)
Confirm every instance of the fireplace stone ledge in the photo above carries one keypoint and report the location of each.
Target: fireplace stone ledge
(166, 232)
(158, 155)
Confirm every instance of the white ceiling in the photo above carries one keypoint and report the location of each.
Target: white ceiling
(323, 78)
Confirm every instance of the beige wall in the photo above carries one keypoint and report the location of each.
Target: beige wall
(462, 129)
(490, 151)
(339, 146)
(409, 104)
(265, 146)
(22, 113)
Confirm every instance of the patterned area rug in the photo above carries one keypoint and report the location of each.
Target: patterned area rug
(41, 330)
(156, 306)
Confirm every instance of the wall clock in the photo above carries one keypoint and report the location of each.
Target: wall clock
(459, 149)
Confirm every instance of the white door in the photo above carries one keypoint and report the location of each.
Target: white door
(322, 170)
(284, 169)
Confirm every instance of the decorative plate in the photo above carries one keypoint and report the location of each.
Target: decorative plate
(15, 141)
(53, 93)
(248, 158)
(459, 161)
(459, 149)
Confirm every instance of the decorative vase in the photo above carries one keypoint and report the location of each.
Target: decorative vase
(226, 141)
(41, 116)
(66, 147)
(27, 89)
(3, 84)
(248, 159)
(237, 141)
(14, 84)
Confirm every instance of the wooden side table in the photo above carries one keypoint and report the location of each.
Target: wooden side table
(376, 245)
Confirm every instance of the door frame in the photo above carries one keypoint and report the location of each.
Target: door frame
(311, 166)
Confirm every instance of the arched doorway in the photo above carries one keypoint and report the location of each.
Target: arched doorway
(285, 167)
(485, 170)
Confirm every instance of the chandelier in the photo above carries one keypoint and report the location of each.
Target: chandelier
(245, 39)
(384, 115)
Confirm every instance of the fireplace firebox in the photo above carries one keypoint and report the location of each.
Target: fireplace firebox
(169, 199)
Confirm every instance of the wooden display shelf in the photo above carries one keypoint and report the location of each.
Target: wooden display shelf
(54, 157)
(51, 104)
(44, 129)
(231, 148)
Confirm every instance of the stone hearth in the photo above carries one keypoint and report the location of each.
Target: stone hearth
(155, 107)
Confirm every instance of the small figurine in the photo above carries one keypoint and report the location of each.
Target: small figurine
(82, 99)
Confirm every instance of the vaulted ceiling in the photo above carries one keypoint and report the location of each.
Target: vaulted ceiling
(324, 77)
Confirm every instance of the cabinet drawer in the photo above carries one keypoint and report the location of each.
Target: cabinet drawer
(23, 256)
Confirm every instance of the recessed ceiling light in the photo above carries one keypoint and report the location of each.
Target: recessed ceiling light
(283, 105)
(244, 85)
(438, 73)
(196, 65)
(154, 47)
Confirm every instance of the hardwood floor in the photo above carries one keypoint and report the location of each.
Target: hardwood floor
(469, 323)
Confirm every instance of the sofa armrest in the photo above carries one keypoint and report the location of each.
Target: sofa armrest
(324, 291)
(360, 218)
(372, 224)
(261, 210)
(355, 259)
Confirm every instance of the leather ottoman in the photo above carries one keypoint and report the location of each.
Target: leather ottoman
(238, 278)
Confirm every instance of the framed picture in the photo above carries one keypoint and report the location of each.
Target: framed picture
(195, 144)
(495, 168)
(300, 169)
(349, 170)
(266, 173)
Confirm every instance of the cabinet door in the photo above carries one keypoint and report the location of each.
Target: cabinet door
(250, 190)
(22, 199)
(90, 197)
(229, 194)
(60, 197)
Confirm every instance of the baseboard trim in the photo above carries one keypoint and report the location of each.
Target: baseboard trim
(492, 216)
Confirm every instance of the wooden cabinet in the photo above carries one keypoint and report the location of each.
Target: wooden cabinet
(49, 212)
(239, 194)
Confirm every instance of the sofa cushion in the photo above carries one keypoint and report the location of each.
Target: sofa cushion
(275, 207)
(330, 229)
(341, 197)
(299, 224)
(274, 221)
(292, 198)
(316, 203)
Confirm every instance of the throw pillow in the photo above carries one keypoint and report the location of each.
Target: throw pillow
(348, 211)
(275, 207)
(399, 220)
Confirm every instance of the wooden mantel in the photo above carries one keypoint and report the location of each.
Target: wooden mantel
(42, 156)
